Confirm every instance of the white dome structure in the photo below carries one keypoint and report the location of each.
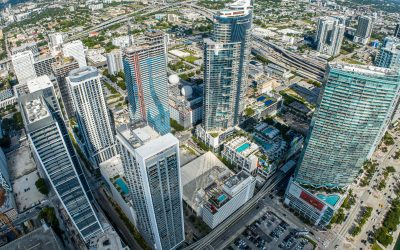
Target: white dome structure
(173, 79)
(186, 91)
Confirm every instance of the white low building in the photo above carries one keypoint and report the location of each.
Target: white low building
(213, 191)
(242, 153)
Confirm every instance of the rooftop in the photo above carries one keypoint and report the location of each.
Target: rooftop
(363, 69)
(82, 74)
(41, 238)
(39, 83)
(36, 110)
(238, 8)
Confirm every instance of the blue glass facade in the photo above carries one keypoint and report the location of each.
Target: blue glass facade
(145, 69)
(225, 68)
(355, 106)
(389, 54)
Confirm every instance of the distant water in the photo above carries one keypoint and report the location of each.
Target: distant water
(12, 2)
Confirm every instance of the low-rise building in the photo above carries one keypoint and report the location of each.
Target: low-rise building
(316, 207)
(7, 98)
(242, 153)
(213, 191)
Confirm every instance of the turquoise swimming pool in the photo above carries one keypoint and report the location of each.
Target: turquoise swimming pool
(121, 183)
(243, 147)
(268, 130)
(221, 198)
(330, 199)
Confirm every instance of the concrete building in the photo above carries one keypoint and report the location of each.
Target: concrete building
(40, 238)
(329, 35)
(316, 207)
(7, 97)
(26, 47)
(92, 113)
(242, 153)
(109, 240)
(172, 18)
(23, 64)
(76, 50)
(114, 62)
(151, 164)
(363, 117)
(364, 29)
(56, 41)
(213, 191)
(185, 102)
(226, 66)
(43, 65)
(123, 41)
(61, 69)
(53, 152)
(145, 67)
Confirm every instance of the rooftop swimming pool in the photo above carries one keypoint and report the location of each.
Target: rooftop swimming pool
(243, 147)
(268, 130)
(121, 183)
(330, 199)
(221, 198)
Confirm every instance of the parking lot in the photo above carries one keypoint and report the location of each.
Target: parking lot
(270, 232)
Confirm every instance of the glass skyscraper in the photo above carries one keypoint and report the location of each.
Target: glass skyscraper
(355, 107)
(53, 150)
(389, 54)
(145, 67)
(225, 66)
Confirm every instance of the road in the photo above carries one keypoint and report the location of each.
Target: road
(363, 198)
(243, 211)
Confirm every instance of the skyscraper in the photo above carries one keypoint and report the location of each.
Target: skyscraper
(76, 50)
(389, 54)
(330, 35)
(151, 165)
(43, 64)
(61, 69)
(114, 61)
(397, 31)
(226, 66)
(364, 29)
(145, 67)
(53, 150)
(23, 66)
(355, 107)
(92, 113)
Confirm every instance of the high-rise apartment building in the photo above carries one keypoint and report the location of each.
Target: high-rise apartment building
(92, 113)
(76, 50)
(53, 151)
(23, 64)
(114, 61)
(226, 66)
(145, 67)
(364, 29)
(61, 69)
(43, 65)
(397, 31)
(151, 165)
(330, 35)
(355, 107)
(389, 57)
(389, 54)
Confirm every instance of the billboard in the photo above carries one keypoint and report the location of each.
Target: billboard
(312, 200)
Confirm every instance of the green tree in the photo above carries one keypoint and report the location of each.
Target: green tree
(42, 186)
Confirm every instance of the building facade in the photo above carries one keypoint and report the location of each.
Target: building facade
(43, 65)
(114, 62)
(397, 31)
(145, 67)
(76, 50)
(23, 64)
(226, 66)
(92, 113)
(329, 35)
(355, 107)
(151, 164)
(364, 29)
(61, 69)
(53, 151)
(389, 54)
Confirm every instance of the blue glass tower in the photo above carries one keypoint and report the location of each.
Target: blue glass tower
(225, 66)
(389, 54)
(145, 67)
(355, 107)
